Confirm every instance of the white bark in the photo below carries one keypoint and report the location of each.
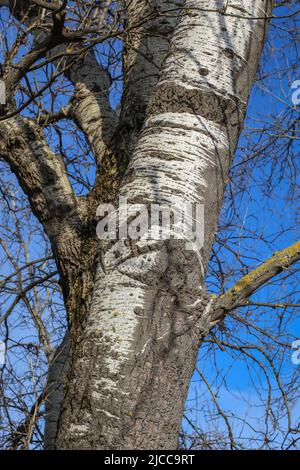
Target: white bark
(145, 49)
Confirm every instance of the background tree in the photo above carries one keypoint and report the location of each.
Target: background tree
(137, 312)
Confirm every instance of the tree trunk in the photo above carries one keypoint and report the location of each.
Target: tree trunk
(133, 353)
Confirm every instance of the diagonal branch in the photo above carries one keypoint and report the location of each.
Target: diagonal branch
(238, 294)
(54, 390)
(43, 177)
(41, 174)
(52, 6)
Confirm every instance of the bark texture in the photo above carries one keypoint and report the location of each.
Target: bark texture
(134, 351)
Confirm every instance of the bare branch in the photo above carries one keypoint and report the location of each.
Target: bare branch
(243, 289)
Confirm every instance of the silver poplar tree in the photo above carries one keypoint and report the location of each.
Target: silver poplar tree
(137, 310)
